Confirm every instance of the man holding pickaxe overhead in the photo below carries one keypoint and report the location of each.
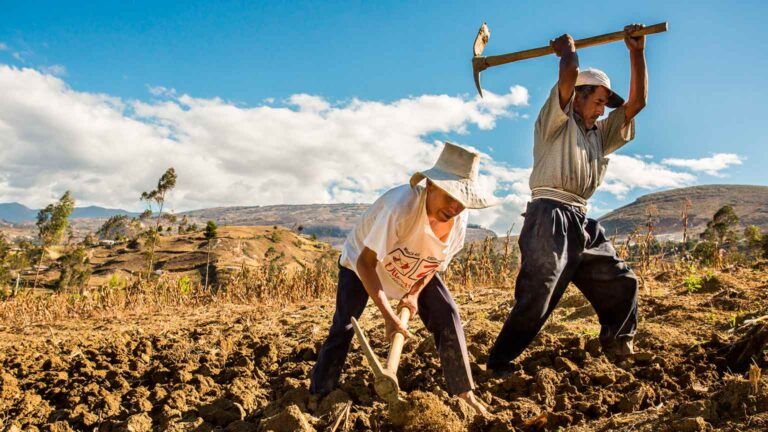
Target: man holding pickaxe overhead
(558, 243)
(395, 251)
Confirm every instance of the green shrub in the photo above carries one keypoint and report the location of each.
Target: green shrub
(705, 252)
(184, 285)
(693, 283)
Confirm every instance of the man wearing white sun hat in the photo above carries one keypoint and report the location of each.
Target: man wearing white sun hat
(558, 243)
(395, 251)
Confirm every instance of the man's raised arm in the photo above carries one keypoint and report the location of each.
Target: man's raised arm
(565, 48)
(638, 85)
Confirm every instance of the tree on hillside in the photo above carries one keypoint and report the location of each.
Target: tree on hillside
(754, 239)
(52, 223)
(5, 271)
(722, 227)
(166, 183)
(75, 270)
(113, 227)
(210, 235)
(182, 228)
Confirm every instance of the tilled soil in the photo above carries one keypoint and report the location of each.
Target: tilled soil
(237, 368)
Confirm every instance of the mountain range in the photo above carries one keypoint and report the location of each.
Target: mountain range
(19, 213)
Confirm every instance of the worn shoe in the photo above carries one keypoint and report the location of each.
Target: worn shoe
(620, 350)
(502, 371)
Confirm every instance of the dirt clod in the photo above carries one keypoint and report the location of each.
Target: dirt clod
(222, 412)
(696, 424)
(289, 420)
(424, 412)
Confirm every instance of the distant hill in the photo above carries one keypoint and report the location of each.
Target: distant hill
(186, 254)
(19, 213)
(16, 213)
(749, 202)
(328, 222)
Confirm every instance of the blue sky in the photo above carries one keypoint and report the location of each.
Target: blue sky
(706, 73)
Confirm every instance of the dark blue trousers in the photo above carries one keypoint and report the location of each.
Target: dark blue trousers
(559, 245)
(437, 310)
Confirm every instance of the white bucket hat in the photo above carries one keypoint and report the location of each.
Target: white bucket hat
(456, 173)
(599, 78)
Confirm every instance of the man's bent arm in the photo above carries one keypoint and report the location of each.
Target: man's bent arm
(366, 269)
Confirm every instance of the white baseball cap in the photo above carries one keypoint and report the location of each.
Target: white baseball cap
(597, 77)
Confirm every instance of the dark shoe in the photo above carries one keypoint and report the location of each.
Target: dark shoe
(619, 350)
(501, 371)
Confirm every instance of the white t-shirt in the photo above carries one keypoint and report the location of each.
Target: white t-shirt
(397, 229)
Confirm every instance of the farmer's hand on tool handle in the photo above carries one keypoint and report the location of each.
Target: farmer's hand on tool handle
(410, 301)
(563, 44)
(634, 42)
(394, 326)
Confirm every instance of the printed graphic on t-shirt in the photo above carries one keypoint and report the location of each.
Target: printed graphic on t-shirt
(404, 264)
(406, 267)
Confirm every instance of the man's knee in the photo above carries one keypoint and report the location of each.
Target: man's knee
(630, 284)
(529, 313)
(441, 315)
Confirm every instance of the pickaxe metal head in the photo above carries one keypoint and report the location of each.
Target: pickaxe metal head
(478, 62)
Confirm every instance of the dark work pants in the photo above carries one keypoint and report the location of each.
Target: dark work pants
(558, 245)
(436, 309)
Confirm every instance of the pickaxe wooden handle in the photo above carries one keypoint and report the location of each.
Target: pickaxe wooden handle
(393, 360)
(480, 63)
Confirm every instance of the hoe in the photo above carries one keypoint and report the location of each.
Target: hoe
(386, 384)
(480, 63)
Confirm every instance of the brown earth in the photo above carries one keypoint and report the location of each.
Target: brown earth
(246, 368)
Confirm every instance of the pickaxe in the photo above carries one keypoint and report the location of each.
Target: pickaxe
(386, 384)
(480, 63)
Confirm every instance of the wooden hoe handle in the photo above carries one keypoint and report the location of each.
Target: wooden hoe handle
(393, 360)
(581, 43)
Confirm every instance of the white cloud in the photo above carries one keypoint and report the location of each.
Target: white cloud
(161, 91)
(107, 150)
(309, 149)
(712, 165)
(511, 185)
(3, 46)
(630, 172)
(57, 70)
